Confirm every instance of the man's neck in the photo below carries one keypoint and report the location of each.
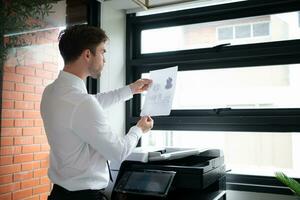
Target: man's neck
(76, 70)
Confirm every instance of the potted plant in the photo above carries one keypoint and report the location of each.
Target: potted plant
(289, 182)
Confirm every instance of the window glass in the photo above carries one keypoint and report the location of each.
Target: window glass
(299, 18)
(225, 33)
(243, 31)
(251, 153)
(276, 27)
(249, 87)
(261, 29)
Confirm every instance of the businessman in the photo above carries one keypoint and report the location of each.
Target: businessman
(81, 140)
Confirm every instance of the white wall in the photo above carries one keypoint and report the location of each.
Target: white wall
(113, 75)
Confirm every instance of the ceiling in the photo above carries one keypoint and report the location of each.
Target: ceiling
(129, 4)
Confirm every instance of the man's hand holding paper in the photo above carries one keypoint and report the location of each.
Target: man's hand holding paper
(140, 85)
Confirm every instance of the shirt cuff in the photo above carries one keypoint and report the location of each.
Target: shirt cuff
(136, 131)
(126, 92)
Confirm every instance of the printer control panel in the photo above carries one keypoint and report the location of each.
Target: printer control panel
(146, 182)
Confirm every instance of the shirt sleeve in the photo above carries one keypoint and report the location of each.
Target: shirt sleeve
(110, 98)
(90, 124)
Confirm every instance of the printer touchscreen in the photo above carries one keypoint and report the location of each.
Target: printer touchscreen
(156, 183)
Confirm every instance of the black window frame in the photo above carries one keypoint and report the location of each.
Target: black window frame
(222, 56)
(259, 54)
(93, 19)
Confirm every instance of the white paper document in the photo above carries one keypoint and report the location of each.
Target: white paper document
(160, 95)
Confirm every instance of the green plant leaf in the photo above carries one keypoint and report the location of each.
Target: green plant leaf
(291, 183)
(14, 16)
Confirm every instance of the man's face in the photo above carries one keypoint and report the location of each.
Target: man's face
(97, 61)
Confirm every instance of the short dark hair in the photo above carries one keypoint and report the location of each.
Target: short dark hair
(75, 39)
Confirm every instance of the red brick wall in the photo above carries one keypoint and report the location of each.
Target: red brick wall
(24, 146)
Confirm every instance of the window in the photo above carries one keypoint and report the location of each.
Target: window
(237, 85)
(261, 29)
(248, 87)
(264, 28)
(225, 33)
(299, 18)
(243, 31)
(258, 153)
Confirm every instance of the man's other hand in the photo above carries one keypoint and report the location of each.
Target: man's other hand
(145, 123)
(140, 85)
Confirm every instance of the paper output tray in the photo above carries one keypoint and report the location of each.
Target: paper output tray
(172, 154)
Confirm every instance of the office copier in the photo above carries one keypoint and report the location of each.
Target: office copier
(171, 173)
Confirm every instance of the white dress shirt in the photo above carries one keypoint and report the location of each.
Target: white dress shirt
(80, 138)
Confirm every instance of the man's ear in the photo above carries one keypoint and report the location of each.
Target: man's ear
(86, 54)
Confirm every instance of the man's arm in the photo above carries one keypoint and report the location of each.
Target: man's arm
(116, 96)
(91, 125)
(110, 98)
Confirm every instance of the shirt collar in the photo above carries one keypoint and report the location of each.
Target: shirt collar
(73, 80)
